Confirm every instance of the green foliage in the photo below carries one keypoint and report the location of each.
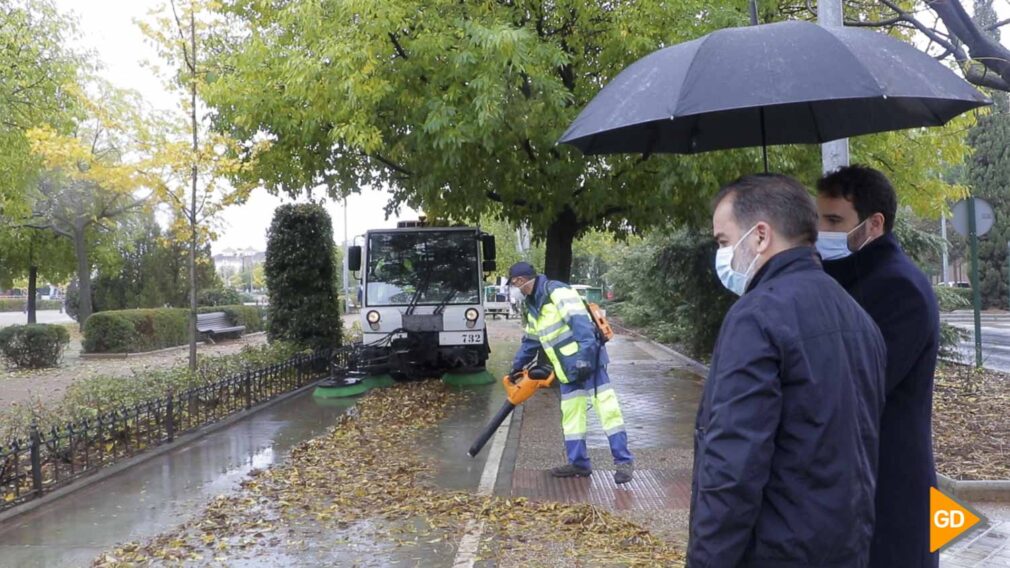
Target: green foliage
(507, 246)
(135, 331)
(219, 297)
(21, 248)
(951, 299)
(456, 106)
(592, 258)
(89, 397)
(8, 305)
(152, 271)
(987, 172)
(34, 346)
(666, 284)
(300, 271)
(950, 339)
(38, 78)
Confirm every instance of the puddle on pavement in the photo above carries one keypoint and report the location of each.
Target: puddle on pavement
(158, 494)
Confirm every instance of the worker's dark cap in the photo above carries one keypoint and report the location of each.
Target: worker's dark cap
(523, 269)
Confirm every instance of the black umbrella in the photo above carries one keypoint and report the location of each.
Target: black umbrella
(783, 83)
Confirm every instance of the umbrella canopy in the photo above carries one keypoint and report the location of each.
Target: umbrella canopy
(783, 83)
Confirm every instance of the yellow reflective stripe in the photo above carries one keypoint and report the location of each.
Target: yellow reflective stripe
(559, 371)
(554, 334)
(573, 418)
(570, 349)
(552, 327)
(608, 410)
(565, 336)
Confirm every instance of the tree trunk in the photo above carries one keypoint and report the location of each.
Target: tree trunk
(83, 277)
(192, 210)
(33, 273)
(560, 235)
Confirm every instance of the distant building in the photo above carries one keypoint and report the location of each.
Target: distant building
(233, 261)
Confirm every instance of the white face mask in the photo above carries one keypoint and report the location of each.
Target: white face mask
(835, 245)
(734, 281)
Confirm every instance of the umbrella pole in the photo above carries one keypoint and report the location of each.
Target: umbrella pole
(764, 141)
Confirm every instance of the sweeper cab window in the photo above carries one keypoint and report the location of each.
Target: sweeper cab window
(425, 267)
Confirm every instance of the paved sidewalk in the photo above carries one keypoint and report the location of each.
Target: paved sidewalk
(659, 398)
(986, 546)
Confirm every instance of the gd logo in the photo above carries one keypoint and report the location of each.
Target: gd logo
(948, 520)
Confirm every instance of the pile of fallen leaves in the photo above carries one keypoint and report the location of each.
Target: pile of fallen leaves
(971, 424)
(364, 483)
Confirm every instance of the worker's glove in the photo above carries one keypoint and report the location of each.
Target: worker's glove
(513, 374)
(583, 370)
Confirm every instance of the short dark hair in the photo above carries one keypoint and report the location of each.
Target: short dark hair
(869, 191)
(779, 200)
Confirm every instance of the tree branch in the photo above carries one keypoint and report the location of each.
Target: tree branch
(397, 46)
(390, 164)
(997, 25)
(983, 49)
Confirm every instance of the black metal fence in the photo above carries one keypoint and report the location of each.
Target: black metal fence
(48, 460)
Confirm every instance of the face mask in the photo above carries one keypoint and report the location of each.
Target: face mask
(527, 288)
(835, 245)
(734, 281)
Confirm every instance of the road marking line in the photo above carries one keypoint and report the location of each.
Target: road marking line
(466, 554)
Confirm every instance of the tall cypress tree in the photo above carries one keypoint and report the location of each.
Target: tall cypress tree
(988, 175)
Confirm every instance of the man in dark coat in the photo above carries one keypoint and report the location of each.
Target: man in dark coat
(857, 206)
(786, 434)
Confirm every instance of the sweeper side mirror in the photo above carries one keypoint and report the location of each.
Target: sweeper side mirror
(488, 248)
(354, 258)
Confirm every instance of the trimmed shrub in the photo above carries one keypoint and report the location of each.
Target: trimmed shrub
(34, 346)
(300, 276)
(219, 297)
(951, 299)
(134, 331)
(8, 305)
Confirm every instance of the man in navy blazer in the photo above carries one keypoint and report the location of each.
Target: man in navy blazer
(857, 207)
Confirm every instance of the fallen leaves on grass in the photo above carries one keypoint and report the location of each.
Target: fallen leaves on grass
(971, 424)
(364, 481)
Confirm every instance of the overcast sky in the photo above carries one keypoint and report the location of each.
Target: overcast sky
(107, 27)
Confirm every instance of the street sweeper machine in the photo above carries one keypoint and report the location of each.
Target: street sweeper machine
(422, 312)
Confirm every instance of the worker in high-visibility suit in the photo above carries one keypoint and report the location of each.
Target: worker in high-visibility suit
(557, 322)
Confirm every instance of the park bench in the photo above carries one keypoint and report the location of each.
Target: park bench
(216, 323)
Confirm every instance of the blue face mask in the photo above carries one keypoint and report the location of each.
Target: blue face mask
(835, 245)
(733, 280)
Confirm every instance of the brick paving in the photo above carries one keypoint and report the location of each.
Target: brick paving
(659, 398)
(986, 546)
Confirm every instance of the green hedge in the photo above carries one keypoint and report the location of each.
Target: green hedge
(34, 346)
(9, 305)
(951, 299)
(135, 331)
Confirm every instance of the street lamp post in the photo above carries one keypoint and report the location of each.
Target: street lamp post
(346, 277)
(834, 154)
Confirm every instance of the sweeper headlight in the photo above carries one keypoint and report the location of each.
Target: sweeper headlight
(471, 314)
(372, 317)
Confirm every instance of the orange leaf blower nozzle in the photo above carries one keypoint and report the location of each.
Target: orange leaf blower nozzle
(518, 387)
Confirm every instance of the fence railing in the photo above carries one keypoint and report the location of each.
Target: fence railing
(48, 460)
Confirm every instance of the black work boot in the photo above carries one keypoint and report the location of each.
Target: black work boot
(623, 473)
(571, 470)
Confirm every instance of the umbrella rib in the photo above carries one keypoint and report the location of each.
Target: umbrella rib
(817, 125)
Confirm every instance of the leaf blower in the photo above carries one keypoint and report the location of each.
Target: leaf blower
(519, 386)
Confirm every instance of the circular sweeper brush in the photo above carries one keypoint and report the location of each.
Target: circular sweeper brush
(341, 384)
